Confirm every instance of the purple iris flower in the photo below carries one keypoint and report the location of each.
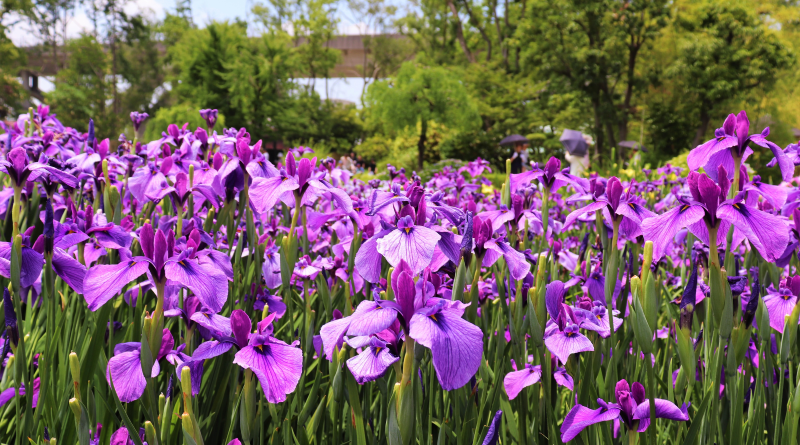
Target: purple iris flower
(210, 116)
(380, 351)
(624, 208)
(21, 171)
(271, 268)
(731, 142)
(149, 181)
(138, 119)
(780, 302)
(476, 167)
(551, 177)
(456, 344)
(125, 368)
(413, 244)
(709, 210)
(300, 178)
(196, 270)
(514, 382)
(562, 336)
(277, 365)
(632, 408)
(179, 192)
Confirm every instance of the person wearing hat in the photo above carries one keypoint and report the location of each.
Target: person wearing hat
(519, 158)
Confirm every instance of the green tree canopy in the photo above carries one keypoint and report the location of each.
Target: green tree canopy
(420, 94)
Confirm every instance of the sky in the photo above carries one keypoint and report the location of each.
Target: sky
(203, 11)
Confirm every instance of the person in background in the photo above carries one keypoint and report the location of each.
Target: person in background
(579, 164)
(519, 160)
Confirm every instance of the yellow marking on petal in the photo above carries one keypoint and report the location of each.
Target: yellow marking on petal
(685, 206)
(408, 230)
(260, 348)
(736, 206)
(434, 317)
(182, 263)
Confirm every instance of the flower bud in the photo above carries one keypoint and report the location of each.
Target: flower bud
(75, 406)
(186, 388)
(150, 432)
(75, 369)
(648, 260)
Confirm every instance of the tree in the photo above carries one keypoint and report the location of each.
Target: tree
(726, 52)
(420, 94)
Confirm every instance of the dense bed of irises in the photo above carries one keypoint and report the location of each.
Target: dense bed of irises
(188, 291)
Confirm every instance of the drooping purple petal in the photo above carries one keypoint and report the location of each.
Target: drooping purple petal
(664, 410)
(371, 317)
(103, 282)
(515, 382)
(456, 345)
(265, 192)
(415, 246)
(124, 373)
(661, 230)
(368, 259)
(769, 234)
(278, 368)
(69, 269)
(371, 364)
(562, 344)
(515, 259)
(209, 284)
(581, 417)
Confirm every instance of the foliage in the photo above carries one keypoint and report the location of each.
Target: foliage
(422, 95)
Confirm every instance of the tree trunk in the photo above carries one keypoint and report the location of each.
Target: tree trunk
(423, 136)
(626, 105)
(598, 132)
(460, 32)
(705, 119)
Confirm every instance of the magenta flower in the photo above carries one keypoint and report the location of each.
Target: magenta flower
(632, 408)
(732, 142)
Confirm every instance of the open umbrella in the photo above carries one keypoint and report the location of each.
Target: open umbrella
(514, 139)
(632, 144)
(573, 143)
